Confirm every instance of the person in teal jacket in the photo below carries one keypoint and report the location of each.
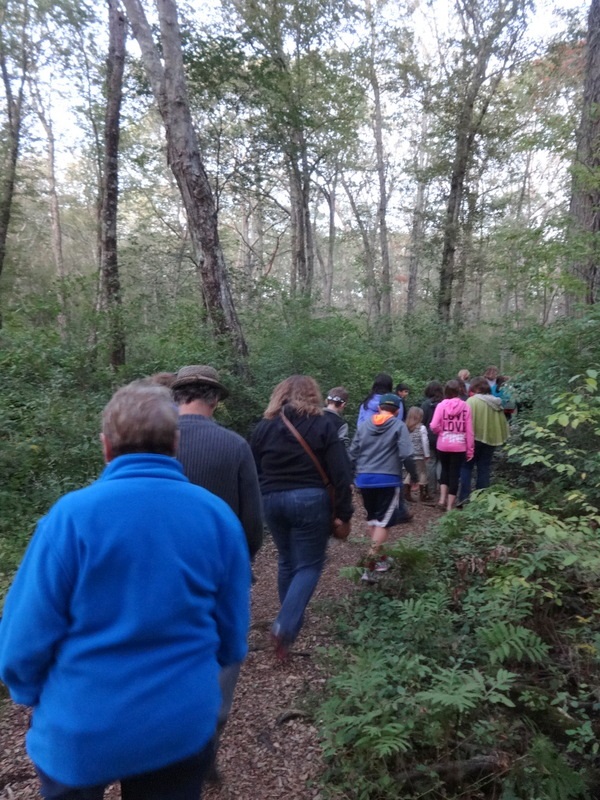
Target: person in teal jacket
(132, 595)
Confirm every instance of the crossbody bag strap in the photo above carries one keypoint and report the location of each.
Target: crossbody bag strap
(300, 438)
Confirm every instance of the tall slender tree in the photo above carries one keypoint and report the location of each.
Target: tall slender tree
(109, 265)
(491, 30)
(585, 196)
(164, 68)
(15, 21)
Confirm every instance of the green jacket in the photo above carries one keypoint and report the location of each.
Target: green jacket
(489, 423)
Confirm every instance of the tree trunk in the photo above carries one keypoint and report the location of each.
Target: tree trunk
(330, 195)
(585, 196)
(12, 69)
(109, 266)
(373, 293)
(386, 280)
(466, 260)
(417, 230)
(54, 208)
(303, 249)
(486, 42)
(169, 88)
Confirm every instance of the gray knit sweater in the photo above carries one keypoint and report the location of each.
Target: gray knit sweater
(222, 462)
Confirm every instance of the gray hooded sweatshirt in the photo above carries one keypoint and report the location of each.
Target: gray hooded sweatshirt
(380, 446)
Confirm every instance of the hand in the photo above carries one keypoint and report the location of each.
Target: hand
(341, 530)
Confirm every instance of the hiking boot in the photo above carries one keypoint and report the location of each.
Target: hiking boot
(368, 576)
(384, 563)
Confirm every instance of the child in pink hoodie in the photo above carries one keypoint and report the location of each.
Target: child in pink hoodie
(455, 442)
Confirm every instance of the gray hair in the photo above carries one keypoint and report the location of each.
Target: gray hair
(141, 418)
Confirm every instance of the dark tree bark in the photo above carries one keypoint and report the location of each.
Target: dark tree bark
(303, 267)
(13, 67)
(168, 83)
(109, 265)
(585, 197)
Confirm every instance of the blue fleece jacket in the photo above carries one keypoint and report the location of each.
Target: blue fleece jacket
(132, 593)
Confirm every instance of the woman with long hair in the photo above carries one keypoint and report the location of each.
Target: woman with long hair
(296, 503)
(370, 405)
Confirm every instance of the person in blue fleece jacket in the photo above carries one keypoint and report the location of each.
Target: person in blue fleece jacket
(132, 595)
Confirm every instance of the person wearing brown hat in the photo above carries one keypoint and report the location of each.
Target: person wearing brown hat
(221, 461)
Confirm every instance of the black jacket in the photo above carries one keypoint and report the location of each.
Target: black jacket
(283, 464)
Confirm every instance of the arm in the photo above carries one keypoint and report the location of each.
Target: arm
(344, 435)
(354, 448)
(340, 473)
(425, 441)
(250, 499)
(232, 607)
(36, 617)
(405, 448)
(469, 434)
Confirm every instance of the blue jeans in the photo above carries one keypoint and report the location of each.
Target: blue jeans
(483, 461)
(180, 781)
(299, 523)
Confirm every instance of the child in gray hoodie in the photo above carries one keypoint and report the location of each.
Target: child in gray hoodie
(378, 450)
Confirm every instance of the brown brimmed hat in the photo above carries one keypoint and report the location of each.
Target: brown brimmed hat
(199, 373)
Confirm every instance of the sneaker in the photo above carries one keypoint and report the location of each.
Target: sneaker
(383, 564)
(368, 576)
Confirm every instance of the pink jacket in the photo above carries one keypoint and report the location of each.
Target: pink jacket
(452, 422)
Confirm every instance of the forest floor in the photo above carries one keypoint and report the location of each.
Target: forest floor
(270, 748)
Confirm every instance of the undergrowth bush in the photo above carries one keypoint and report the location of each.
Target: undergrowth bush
(558, 454)
(471, 669)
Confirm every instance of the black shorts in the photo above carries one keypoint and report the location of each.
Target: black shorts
(382, 504)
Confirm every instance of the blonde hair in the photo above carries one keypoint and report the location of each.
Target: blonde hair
(301, 392)
(414, 417)
(464, 374)
(141, 418)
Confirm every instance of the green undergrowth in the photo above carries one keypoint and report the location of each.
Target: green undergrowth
(472, 668)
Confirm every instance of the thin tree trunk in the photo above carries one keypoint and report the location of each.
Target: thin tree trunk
(417, 230)
(465, 262)
(373, 294)
(183, 153)
(109, 267)
(330, 196)
(55, 220)
(585, 196)
(386, 281)
(14, 109)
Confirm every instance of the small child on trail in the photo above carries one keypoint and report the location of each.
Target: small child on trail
(378, 450)
(420, 443)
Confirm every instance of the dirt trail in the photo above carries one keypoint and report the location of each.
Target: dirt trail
(268, 752)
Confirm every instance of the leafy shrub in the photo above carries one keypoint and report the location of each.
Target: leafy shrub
(560, 453)
(482, 682)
